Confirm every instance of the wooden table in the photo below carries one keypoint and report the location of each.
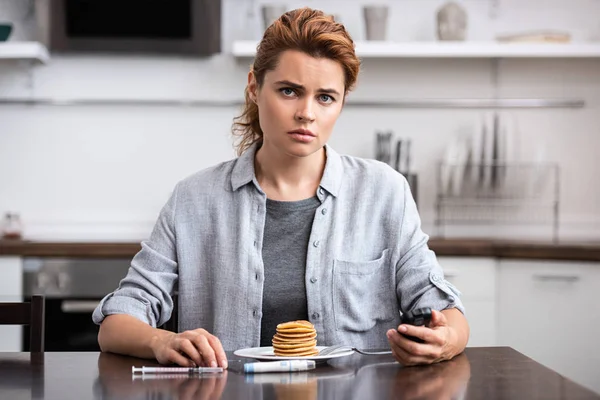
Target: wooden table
(479, 373)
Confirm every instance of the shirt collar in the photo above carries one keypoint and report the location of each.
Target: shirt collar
(243, 170)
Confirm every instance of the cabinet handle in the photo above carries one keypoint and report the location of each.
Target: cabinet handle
(556, 278)
(78, 306)
(450, 273)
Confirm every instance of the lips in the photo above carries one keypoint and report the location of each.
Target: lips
(302, 132)
(302, 136)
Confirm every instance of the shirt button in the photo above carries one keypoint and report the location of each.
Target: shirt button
(320, 190)
(316, 243)
(256, 276)
(313, 279)
(315, 315)
(451, 299)
(435, 278)
(324, 211)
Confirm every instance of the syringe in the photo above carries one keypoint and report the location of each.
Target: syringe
(176, 370)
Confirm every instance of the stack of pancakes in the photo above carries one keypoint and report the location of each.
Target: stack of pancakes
(295, 339)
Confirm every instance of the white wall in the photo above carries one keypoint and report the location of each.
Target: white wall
(102, 173)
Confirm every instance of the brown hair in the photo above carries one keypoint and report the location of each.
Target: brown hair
(307, 30)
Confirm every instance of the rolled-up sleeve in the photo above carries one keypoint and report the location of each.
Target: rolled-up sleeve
(419, 278)
(145, 292)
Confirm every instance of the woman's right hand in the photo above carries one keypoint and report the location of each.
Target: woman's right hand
(190, 348)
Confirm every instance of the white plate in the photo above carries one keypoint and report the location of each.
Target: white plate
(266, 353)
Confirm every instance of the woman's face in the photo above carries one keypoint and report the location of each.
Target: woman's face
(298, 103)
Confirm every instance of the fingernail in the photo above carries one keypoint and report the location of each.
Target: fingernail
(402, 328)
(389, 334)
(224, 363)
(213, 364)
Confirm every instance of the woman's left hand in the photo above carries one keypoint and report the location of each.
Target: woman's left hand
(439, 342)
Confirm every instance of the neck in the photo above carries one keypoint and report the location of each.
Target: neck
(288, 178)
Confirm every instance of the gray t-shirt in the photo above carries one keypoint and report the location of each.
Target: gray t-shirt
(287, 230)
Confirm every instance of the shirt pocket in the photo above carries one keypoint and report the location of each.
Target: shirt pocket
(364, 293)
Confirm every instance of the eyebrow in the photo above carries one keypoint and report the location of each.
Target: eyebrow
(298, 86)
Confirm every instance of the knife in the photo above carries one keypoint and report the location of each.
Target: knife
(398, 154)
(495, 143)
(407, 170)
(388, 148)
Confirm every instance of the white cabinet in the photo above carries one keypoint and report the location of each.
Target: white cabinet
(549, 311)
(476, 279)
(11, 289)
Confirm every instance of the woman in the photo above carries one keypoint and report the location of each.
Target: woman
(289, 230)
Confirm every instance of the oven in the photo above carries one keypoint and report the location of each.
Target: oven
(73, 287)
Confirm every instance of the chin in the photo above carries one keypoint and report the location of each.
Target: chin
(303, 150)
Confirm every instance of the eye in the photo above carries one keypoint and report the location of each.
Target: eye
(288, 92)
(325, 98)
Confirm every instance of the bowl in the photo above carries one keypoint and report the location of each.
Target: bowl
(5, 30)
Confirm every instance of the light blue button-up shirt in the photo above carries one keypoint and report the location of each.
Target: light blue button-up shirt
(367, 257)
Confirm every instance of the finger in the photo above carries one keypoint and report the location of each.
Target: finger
(402, 340)
(437, 319)
(186, 346)
(216, 345)
(428, 335)
(206, 351)
(401, 355)
(424, 350)
(408, 359)
(177, 358)
(396, 339)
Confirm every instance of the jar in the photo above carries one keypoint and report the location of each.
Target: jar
(452, 22)
(12, 228)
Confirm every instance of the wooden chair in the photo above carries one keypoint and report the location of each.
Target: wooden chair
(27, 313)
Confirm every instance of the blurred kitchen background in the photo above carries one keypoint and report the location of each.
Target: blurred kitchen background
(101, 170)
(490, 107)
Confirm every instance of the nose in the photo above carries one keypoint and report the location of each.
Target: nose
(305, 111)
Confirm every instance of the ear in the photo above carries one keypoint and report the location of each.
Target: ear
(252, 86)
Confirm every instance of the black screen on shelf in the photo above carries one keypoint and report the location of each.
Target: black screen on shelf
(129, 19)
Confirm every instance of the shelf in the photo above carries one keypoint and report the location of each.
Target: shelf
(32, 51)
(379, 103)
(244, 49)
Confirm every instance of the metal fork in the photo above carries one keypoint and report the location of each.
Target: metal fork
(333, 349)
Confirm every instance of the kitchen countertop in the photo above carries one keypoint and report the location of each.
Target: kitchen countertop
(567, 251)
(478, 373)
